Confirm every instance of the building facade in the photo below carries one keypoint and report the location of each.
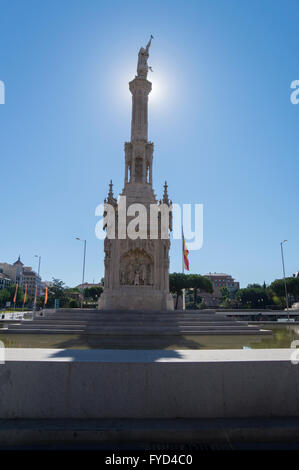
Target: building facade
(4, 281)
(14, 271)
(17, 273)
(33, 282)
(88, 285)
(219, 280)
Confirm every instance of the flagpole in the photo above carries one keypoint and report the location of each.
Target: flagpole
(35, 299)
(46, 298)
(25, 298)
(183, 269)
(15, 296)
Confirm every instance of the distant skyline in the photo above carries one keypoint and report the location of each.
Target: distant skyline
(220, 116)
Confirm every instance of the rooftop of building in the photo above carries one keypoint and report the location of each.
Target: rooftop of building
(218, 274)
(87, 284)
(18, 262)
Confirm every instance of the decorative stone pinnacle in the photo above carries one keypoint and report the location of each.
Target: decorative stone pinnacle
(110, 199)
(110, 188)
(165, 195)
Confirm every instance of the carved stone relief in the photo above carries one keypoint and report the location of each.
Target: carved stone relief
(136, 268)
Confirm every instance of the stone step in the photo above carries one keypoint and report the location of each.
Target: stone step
(41, 331)
(109, 312)
(89, 328)
(132, 321)
(133, 332)
(176, 333)
(85, 313)
(33, 326)
(134, 318)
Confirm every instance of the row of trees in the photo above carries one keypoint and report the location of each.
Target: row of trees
(70, 297)
(262, 296)
(253, 296)
(196, 282)
(7, 295)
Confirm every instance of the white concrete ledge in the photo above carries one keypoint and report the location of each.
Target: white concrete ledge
(110, 384)
(145, 356)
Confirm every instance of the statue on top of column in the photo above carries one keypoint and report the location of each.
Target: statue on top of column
(143, 55)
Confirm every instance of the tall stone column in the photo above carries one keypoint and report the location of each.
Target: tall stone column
(140, 89)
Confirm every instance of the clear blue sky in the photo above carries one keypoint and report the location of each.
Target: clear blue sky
(225, 132)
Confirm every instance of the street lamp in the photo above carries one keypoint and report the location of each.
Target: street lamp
(39, 260)
(284, 277)
(37, 281)
(83, 272)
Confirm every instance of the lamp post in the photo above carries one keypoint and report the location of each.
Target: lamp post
(39, 260)
(83, 271)
(284, 277)
(38, 271)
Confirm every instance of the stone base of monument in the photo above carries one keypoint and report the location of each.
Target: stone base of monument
(150, 434)
(133, 323)
(144, 298)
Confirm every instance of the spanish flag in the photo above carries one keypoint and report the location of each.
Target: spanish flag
(46, 296)
(25, 295)
(35, 296)
(185, 254)
(16, 292)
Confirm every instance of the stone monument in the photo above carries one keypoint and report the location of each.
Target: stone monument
(137, 269)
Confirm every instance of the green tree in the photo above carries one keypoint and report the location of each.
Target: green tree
(278, 287)
(56, 290)
(293, 287)
(253, 297)
(73, 303)
(93, 292)
(198, 282)
(225, 294)
(7, 295)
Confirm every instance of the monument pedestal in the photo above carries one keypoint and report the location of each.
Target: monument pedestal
(144, 298)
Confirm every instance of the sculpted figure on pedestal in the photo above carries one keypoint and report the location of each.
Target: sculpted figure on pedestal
(136, 278)
(143, 55)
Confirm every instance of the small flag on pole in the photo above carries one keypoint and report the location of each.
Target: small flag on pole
(16, 292)
(46, 296)
(35, 296)
(25, 295)
(185, 254)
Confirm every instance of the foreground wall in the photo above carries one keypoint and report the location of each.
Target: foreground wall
(45, 383)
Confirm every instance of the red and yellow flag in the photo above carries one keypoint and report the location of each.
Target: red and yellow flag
(46, 296)
(25, 295)
(16, 291)
(35, 296)
(185, 254)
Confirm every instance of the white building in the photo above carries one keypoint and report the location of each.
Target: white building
(17, 273)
